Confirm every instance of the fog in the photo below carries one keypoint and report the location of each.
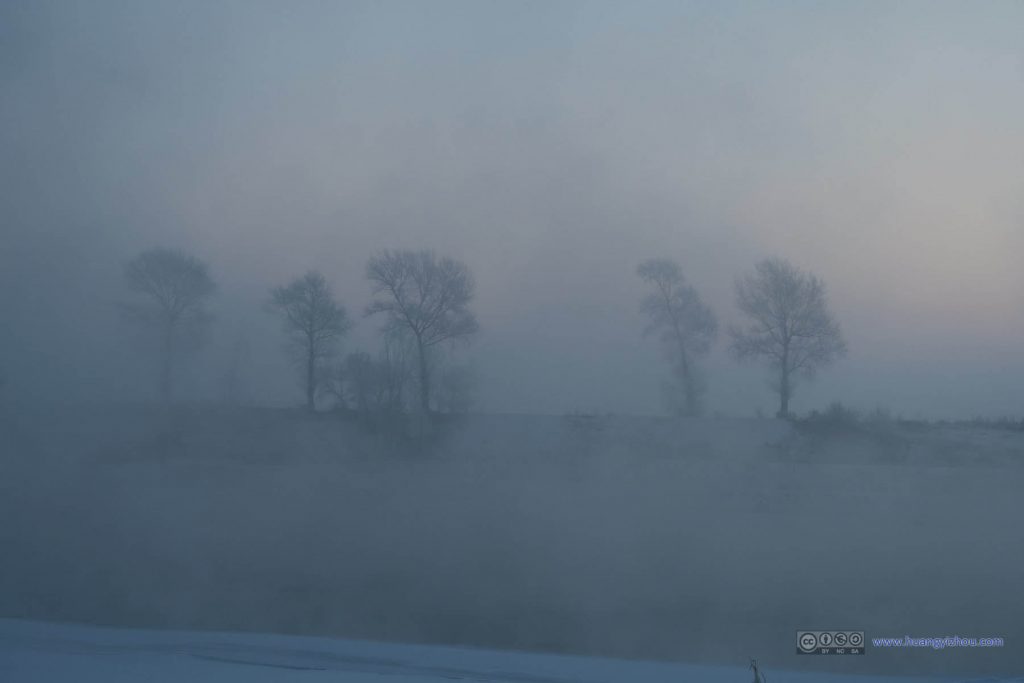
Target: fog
(700, 540)
(550, 148)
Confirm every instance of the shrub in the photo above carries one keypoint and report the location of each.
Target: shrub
(836, 419)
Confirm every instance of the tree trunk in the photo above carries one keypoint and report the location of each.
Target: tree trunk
(689, 387)
(424, 378)
(165, 368)
(311, 381)
(784, 388)
(692, 407)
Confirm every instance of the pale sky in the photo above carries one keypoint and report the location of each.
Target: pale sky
(551, 146)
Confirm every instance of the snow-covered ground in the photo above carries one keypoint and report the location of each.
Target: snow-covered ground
(38, 652)
(704, 541)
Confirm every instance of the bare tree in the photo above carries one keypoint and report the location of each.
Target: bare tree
(355, 383)
(790, 324)
(758, 678)
(391, 377)
(686, 326)
(332, 384)
(375, 388)
(314, 323)
(425, 297)
(172, 290)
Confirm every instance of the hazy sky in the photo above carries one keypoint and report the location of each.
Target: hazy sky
(551, 146)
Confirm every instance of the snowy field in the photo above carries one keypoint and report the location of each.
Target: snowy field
(35, 652)
(703, 541)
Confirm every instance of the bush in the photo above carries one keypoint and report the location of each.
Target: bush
(999, 423)
(836, 419)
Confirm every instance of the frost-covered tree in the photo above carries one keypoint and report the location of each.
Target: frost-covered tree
(171, 291)
(686, 326)
(790, 324)
(425, 297)
(314, 323)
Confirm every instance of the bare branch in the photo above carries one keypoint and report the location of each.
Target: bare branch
(687, 327)
(171, 290)
(314, 323)
(789, 323)
(424, 296)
